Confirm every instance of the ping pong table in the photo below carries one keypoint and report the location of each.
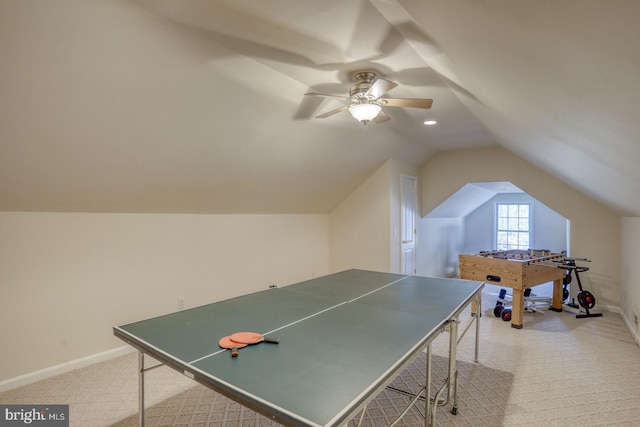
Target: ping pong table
(343, 338)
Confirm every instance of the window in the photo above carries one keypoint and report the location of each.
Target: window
(513, 226)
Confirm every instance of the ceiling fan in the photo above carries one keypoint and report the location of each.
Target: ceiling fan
(366, 102)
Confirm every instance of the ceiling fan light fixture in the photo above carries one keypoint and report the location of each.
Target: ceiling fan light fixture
(364, 112)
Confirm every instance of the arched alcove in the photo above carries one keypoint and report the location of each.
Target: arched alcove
(465, 223)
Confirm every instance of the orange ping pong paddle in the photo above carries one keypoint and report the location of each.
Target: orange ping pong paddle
(252, 338)
(225, 342)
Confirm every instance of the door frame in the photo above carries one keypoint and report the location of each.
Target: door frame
(412, 205)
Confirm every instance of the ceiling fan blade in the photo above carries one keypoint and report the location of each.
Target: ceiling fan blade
(408, 102)
(328, 95)
(380, 87)
(381, 117)
(332, 112)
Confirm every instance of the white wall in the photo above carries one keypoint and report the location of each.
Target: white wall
(66, 279)
(440, 242)
(631, 273)
(364, 227)
(549, 227)
(595, 229)
(359, 226)
(442, 239)
(478, 234)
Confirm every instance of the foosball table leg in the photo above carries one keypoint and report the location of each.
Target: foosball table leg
(517, 308)
(556, 302)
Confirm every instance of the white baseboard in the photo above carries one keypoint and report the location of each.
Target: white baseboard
(609, 308)
(631, 328)
(63, 368)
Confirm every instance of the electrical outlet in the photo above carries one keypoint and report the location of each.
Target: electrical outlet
(180, 303)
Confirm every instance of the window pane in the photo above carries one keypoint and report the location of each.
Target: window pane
(512, 226)
(502, 237)
(523, 224)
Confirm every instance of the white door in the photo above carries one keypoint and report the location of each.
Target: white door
(408, 208)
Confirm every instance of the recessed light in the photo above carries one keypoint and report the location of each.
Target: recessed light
(430, 122)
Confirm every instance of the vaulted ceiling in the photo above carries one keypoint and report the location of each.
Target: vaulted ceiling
(199, 105)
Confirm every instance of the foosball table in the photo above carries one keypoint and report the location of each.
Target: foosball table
(518, 270)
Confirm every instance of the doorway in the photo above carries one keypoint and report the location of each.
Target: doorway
(408, 209)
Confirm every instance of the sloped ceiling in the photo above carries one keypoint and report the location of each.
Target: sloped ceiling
(470, 197)
(199, 106)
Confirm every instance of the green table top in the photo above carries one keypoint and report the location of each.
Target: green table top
(342, 337)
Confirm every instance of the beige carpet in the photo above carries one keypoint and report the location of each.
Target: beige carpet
(557, 371)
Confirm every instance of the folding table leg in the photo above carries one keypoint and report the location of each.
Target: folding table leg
(140, 389)
(477, 320)
(428, 407)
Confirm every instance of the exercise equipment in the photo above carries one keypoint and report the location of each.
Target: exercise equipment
(565, 286)
(586, 299)
(532, 303)
(506, 314)
(500, 309)
(500, 303)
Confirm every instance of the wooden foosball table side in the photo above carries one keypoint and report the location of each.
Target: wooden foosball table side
(517, 275)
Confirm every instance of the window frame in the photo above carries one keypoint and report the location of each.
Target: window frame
(496, 220)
